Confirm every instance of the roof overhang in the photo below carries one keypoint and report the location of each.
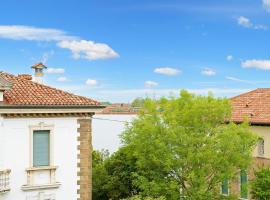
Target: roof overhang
(254, 123)
(16, 109)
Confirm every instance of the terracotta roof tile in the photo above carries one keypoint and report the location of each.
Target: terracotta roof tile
(27, 92)
(120, 108)
(253, 105)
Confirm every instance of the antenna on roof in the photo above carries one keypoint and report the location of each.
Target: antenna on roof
(39, 72)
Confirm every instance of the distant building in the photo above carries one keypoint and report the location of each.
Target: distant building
(110, 123)
(120, 108)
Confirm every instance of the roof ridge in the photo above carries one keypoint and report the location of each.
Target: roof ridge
(245, 93)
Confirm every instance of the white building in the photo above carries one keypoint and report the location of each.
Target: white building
(45, 140)
(107, 129)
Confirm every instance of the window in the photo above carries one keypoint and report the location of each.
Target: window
(243, 184)
(41, 148)
(225, 187)
(261, 147)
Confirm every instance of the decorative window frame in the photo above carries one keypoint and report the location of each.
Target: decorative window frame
(42, 127)
(51, 168)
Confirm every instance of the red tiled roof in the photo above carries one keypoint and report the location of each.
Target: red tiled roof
(120, 108)
(29, 93)
(253, 105)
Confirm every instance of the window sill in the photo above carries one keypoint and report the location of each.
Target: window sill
(39, 187)
(41, 168)
(3, 191)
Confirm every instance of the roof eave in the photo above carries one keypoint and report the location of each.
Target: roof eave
(49, 109)
(8, 106)
(253, 123)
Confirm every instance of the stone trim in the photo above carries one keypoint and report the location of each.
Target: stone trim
(40, 187)
(45, 115)
(84, 165)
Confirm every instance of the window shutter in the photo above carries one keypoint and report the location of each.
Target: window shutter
(244, 184)
(225, 187)
(41, 148)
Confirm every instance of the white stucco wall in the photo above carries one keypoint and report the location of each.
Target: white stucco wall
(15, 155)
(106, 130)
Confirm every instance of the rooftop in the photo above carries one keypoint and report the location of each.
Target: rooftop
(22, 91)
(120, 108)
(253, 105)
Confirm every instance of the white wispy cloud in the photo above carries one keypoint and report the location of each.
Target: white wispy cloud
(229, 58)
(150, 84)
(62, 79)
(46, 56)
(127, 95)
(246, 22)
(55, 71)
(266, 5)
(258, 64)
(168, 71)
(243, 21)
(208, 72)
(80, 48)
(88, 49)
(33, 33)
(91, 82)
(231, 78)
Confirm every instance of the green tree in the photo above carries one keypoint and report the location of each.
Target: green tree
(120, 167)
(138, 102)
(100, 175)
(261, 184)
(183, 147)
(113, 175)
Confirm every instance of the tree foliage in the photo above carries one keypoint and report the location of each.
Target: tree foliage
(183, 147)
(112, 176)
(261, 184)
(138, 102)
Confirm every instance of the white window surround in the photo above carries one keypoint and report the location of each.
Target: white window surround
(50, 170)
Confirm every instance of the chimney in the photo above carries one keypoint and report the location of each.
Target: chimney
(39, 72)
(4, 85)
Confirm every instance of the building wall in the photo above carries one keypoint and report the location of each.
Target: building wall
(263, 132)
(15, 155)
(107, 129)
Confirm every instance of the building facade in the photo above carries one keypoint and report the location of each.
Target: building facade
(253, 106)
(45, 140)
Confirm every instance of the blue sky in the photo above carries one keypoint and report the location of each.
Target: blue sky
(116, 50)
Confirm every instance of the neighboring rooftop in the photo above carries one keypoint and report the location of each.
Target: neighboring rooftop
(120, 108)
(22, 91)
(253, 105)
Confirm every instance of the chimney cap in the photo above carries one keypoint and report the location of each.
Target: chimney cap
(39, 66)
